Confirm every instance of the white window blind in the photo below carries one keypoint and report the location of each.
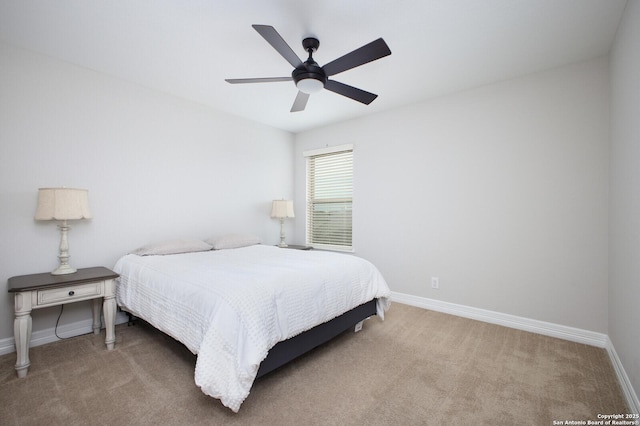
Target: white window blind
(329, 197)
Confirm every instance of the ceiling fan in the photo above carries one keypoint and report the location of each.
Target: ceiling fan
(310, 77)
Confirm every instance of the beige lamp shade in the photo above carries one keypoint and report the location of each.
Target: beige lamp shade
(282, 209)
(62, 204)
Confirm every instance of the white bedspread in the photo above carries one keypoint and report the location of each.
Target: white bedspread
(231, 306)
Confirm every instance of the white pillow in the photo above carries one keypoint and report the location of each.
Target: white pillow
(172, 247)
(234, 241)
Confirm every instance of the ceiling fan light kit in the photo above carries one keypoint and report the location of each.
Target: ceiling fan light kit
(309, 77)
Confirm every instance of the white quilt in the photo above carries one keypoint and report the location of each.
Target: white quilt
(231, 306)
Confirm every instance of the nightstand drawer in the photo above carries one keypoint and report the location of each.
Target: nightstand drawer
(70, 293)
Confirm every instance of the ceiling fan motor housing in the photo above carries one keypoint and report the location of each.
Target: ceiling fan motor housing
(309, 77)
(309, 71)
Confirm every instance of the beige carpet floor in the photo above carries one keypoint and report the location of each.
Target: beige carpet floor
(418, 367)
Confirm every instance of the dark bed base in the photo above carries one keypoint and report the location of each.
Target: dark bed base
(288, 350)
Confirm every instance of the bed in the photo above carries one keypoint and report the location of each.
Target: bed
(245, 311)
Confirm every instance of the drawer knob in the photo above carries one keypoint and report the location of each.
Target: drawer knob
(71, 293)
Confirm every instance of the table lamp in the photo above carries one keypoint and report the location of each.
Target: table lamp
(282, 209)
(63, 204)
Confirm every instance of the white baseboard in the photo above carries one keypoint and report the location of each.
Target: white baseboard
(540, 327)
(42, 337)
(625, 383)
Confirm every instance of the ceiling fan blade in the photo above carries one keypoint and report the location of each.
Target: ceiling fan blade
(369, 52)
(300, 102)
(257, 80)
(350, 92)
(274, 39)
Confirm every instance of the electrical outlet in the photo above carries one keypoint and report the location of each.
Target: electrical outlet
(435, 282)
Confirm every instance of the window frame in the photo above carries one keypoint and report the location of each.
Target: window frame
(309, 155)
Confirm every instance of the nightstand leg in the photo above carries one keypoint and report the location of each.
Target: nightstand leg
(22, 332)
(96, 308)
(109, 312)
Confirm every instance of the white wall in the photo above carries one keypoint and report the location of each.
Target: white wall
(501, 192)
(156, 167)
(624, 273)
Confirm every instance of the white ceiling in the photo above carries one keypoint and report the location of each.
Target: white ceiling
(188, 47)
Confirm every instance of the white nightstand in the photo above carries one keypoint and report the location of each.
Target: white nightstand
(44, 290)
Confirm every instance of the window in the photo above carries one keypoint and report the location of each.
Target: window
(329, 197)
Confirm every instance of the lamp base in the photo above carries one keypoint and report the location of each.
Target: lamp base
(64, 267)
(63, 270)
(282, 243)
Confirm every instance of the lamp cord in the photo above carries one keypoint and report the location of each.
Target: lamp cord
(57, 321)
